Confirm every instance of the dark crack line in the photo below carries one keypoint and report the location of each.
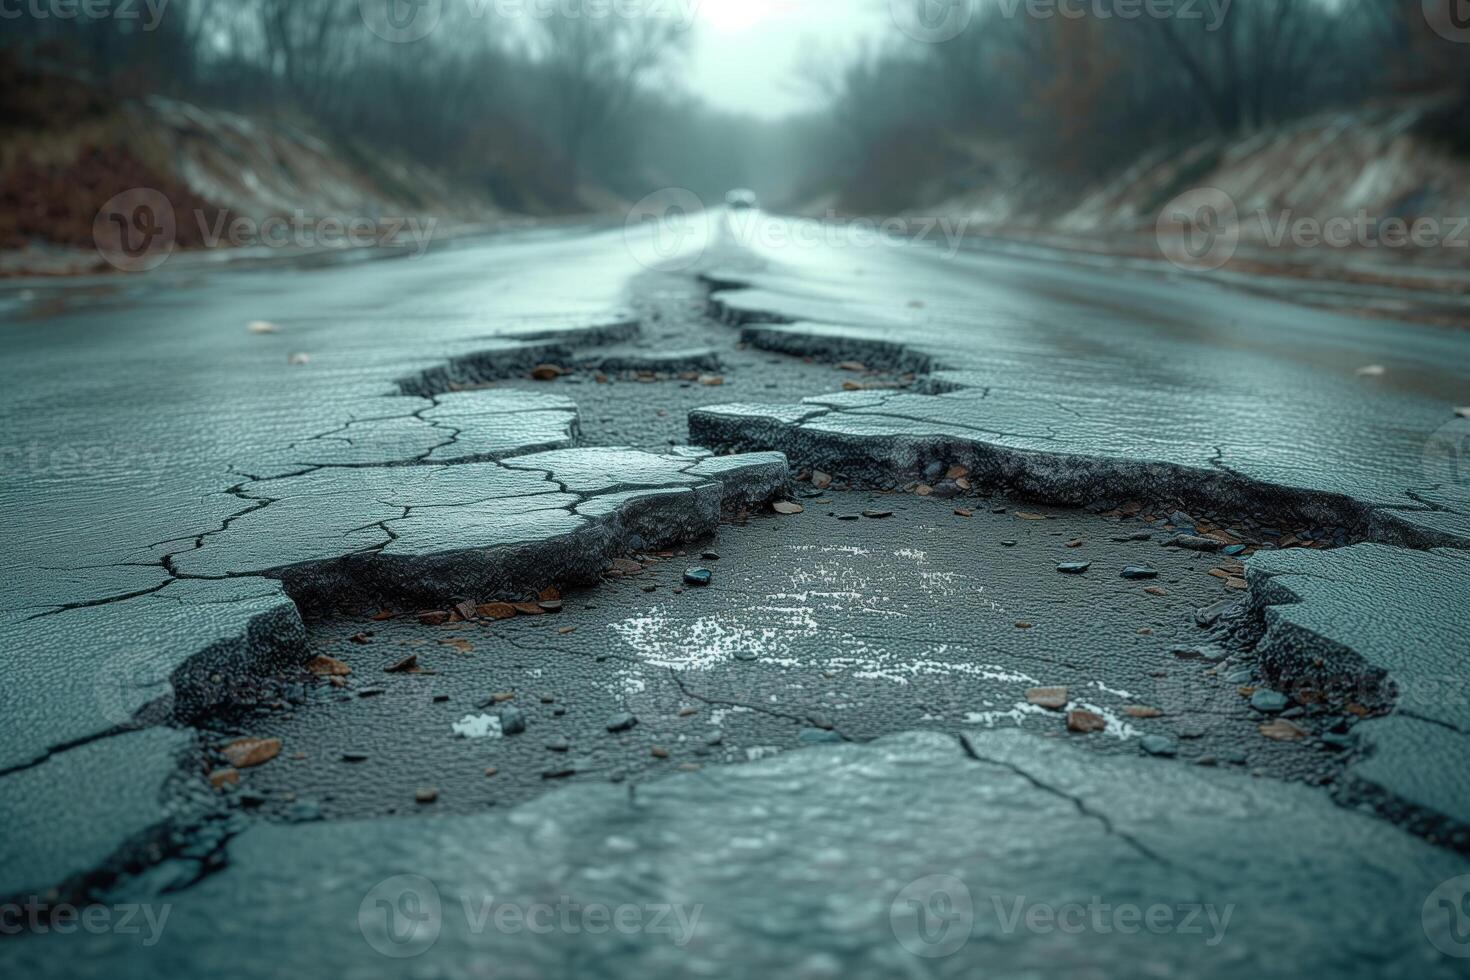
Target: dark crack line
(1081, 806)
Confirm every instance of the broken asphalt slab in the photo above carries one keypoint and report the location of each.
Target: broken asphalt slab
(1002, 854)
(1368, 621)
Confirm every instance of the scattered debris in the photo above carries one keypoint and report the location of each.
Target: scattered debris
(512, 721)
(1159, 745)
(496, 610)
(1085, 722)
(546, 372)
(1052, 698)
(1281, 730)
(1372, 371)
(1141, 711)
(877, 515)
(262, 327)
(220, 778)
(408, 665)
(298, 359)
(1269, 702)
(1027, 516)
(1191, 542)
(428, 795)
(244, 753)
(857, 367)
(659, 752)
(788, 507)
(324, 666)
(434, 618)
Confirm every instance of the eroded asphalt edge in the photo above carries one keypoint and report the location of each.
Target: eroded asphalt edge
(1327, 623)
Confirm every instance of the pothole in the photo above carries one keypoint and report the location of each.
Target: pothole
(815, 628)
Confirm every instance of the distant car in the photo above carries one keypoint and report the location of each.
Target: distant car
(740, 200)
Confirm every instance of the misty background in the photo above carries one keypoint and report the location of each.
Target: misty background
(824, 107)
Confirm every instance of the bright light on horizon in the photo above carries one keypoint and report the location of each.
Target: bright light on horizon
(748, 54)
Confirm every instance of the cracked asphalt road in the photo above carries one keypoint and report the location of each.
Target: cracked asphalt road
(411, 464)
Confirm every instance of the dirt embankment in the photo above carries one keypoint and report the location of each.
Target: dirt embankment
(68, 148)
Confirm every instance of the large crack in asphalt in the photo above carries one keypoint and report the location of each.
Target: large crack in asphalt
(334, 595)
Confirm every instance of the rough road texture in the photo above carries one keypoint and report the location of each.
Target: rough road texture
(172, 544)
(824, 863)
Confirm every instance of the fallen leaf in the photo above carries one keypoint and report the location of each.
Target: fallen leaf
(325, 666)
(956, 473)
(496, 610)
(853, 386)
(434, 617)
(788, 507)
(1220, 573)
(223, 777)
(460, 644)
(1142, 711)
(529, 608)
(1281, 730)
(963, 483)
(924, 490)
(244, 753)
(855, 366)
(625, 566)
(567, 629)
(465, 609)
(963, 512)
(262, 326)
(546, 372)
(1023, 625)
(383, 615)
(1358, 709)
(1238, 584)
(405, 666)
(1077, 543)
(549, 594)
(821, 480)
(1156, 590)
(711, 380)
(1085, 722)
(659, 752)
(361, 639)
(1054, 698)
(1023, 515)
(550, 605)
